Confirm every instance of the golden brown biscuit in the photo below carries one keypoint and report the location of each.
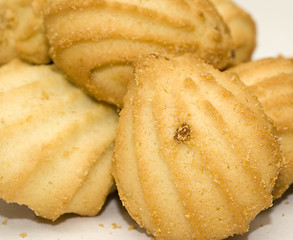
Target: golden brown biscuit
(194, 156)
(22, 32)
(96, 42)
(56, 143)
(242, 27)
(271, 80)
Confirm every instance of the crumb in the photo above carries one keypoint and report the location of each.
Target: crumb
(131, 227)
(23, 235)
(115, 226)
(183, 133)
(261, 225)
(283, 214)
(101, 225)
(5, 222)
(287, 203)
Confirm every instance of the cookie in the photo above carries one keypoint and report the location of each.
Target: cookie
(242, 27)
(271, 80)
(194, 157)
(56, 143)
(22, 32)
(97, 42)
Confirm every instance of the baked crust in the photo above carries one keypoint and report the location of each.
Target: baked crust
(96, 42)
(242, 28)
(271, 80)
(56, 143)
(22, 32)
(194, 157)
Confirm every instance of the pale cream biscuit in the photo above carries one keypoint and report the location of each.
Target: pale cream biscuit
(271, 80)
(194, 157)
(22, 32)
(56, 143)
(96, 42)
(242, 27)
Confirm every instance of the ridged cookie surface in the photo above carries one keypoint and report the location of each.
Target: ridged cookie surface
(22, 33)
(271, 80)
(96, 42)
(242, 28)
(56, 143)
(194, 156)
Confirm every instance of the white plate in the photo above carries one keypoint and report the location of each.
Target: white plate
(275, 36)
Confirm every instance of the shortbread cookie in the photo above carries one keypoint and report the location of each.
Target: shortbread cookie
(195, 157)
(271, 80)
(242, 27)
(22, 32)
(56, 143)
(96, 42)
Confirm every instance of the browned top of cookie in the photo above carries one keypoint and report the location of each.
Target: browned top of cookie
(194, 154)
(56, 143)
(22, 34)
(242, 28)
(271, 80)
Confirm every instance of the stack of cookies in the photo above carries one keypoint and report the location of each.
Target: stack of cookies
(203, 140)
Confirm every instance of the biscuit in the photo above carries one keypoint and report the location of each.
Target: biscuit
(194, 156)
(22, 32)
(242, 27)
(271, 80)
(96, 42)
(56, 143)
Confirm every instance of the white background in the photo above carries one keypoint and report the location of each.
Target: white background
(274, 20)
